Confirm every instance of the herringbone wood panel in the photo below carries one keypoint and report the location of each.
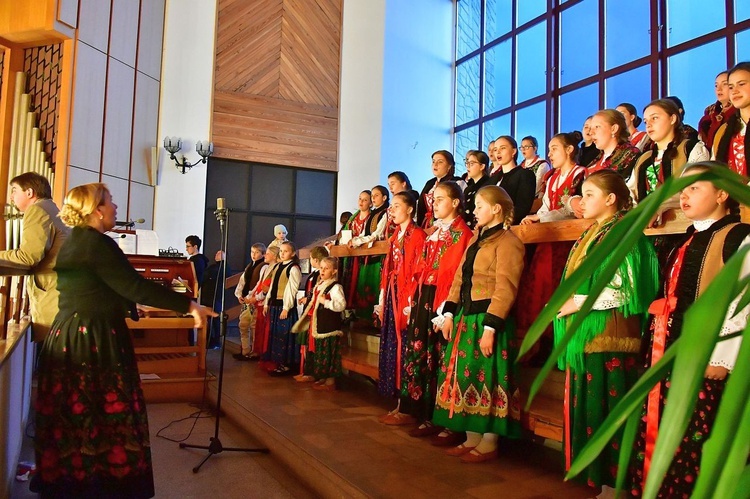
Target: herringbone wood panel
(277, 81)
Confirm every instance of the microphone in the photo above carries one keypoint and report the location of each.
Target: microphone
(130, 224)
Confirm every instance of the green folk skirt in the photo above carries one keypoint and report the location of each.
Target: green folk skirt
(478, 393)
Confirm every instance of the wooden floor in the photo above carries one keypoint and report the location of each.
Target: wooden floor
(334, 443)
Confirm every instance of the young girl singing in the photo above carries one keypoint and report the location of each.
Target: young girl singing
(477, 383)
(732, 142)
(351, 266)
(716, 234)
(321, 320)
(306, 355)
(281, 309)
(437, 266)
(602, 359)
(377, 227)
(543, 274)
(397, 287)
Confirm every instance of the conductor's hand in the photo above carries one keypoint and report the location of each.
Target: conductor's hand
(199, 313)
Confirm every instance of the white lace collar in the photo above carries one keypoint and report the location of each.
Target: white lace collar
(701, 225)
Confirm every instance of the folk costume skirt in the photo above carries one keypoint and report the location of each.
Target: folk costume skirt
(591, 396)
(283, 349)
(92, 435)
(424, 349)
(478, 393)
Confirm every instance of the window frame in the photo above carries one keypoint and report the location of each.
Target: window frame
(657, 60)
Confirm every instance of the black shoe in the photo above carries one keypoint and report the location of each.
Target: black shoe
(280, 371)
(241, 357)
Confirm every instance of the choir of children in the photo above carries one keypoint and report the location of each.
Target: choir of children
(461, 387)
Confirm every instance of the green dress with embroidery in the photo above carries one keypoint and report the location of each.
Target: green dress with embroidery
(600, 369)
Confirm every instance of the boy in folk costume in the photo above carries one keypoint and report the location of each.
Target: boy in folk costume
(248, 280)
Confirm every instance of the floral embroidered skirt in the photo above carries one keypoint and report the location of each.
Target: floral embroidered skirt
(390, 359)
(478, 393)
(592, 395)
(422, 359)
(683, 473)
(326, 361)
(91, 426)
(283, 349)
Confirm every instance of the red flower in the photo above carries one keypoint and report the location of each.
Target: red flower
(76, 460)
(589, 376)
(79, 475)
(589, 431)
(418, 346)
(480, 376)
(702, 395)
(110, 397)
(115, 408)
(57, 433)
(504, 354)
(616, 362)
(78, 408)
(50, 457)
(466, 372)
(117, 455)
(416, 393)
(57, 388)
(613, 392)
(119, 472)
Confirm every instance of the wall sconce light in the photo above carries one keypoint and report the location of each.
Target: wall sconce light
(174, 144)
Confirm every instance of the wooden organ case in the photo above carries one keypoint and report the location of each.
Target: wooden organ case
(171, 369)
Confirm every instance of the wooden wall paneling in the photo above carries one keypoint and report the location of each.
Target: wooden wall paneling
(93, 23)
(88, 108)
(118, 120)
(276, 82)
(145, 121)
(124, 30)
(78, 176)
(141, 205)
(248, 47)
(67, 12)
(310, 52)
(150, 38)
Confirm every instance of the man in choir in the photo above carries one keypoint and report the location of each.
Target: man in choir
(42, 236)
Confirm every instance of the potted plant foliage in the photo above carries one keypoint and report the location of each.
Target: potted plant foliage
(724, 471)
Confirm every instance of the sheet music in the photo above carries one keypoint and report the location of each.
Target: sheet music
(148, 242)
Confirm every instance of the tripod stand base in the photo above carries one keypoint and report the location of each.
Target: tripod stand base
(215, 447)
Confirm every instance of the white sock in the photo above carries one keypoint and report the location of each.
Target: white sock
(488, 443)
(472, 439)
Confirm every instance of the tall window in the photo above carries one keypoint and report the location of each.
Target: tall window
(536, 67)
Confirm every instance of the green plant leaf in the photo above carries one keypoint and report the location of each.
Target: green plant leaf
(742, 491)
(626, 447)
(699, 334)
(630, 402)
(720, 472)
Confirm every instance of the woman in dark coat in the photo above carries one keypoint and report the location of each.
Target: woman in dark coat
(91, 426)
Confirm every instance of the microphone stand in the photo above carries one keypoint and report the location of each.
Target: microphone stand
(215, 446)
